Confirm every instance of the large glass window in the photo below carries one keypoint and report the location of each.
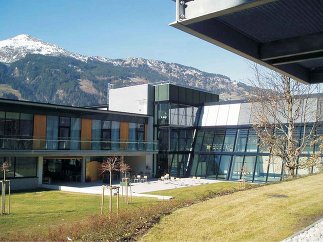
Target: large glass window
(26, 131)
(261, 168)
(252, 143)
(20, 167)
(163, 139)
(208, 140)
(12, 130)
(248, 167)
(106, 135)
(241, 141)
(199, 140)
(115, 135)
(174, 140)
(96, 134)
(11, 170)
(229, 140)
(140, 136)
(26, 167)
(52, 133)
(2, 125)
(224, 167)
(75, 133)
(132, 136)
(163, 113)
(236, 167)
(64, 133)
(218, 139)
(275, 169)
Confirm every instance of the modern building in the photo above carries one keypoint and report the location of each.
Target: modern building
(46, 143)
(155, 129)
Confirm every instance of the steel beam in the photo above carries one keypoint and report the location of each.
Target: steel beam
(293, 50)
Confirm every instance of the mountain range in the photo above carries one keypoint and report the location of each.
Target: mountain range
(34, 70)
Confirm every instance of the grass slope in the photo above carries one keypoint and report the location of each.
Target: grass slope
(54, 215)
(268, 213)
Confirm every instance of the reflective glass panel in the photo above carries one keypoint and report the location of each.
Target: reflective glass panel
(224, 167)
(236, 167)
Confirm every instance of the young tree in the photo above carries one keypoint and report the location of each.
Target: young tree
(109, 165)
(284, 116)
(124, 168)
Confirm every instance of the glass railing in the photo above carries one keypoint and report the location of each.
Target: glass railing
(63, 144)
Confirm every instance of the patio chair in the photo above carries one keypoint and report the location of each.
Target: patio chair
(137, 179)
(166, 176)
(144, 179)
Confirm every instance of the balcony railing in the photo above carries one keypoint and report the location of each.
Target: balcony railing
(63, 144)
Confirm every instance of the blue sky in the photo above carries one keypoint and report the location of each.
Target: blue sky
(117, 29)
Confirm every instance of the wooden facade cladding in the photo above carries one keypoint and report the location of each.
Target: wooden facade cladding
(86, 134)
(39, 136)
(124, 134)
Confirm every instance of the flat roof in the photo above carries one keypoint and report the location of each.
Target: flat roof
(54, 109)
(284, 35)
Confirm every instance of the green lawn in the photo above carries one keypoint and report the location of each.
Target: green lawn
(36, 212)
(268, 213)
(40, 212)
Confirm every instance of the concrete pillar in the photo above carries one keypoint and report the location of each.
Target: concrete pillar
(40, 167)
(83, 168)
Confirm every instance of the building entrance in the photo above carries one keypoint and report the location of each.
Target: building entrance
(62, 170)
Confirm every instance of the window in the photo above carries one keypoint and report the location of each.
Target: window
(229, 140)
(252, 142)
(248, 167)
(26, 131)
(20, 167)
(163, 113)
(11, 130)
(115, 135)
(236, 167)
(26, 167)
(140, 136)
(261, 168)
(241, 141)
(75, 133)
(275, 169)
(224, 167)
(106, 135)
(218, 139)
(96, 134)
(208, 140)
(52, 133)
(64, 133)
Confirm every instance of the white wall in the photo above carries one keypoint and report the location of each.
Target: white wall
(133, 99)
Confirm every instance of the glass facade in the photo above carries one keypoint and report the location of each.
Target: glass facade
(20, 167)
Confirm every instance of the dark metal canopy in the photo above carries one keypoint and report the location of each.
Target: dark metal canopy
(284, 35)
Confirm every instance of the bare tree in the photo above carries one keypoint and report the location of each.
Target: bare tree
(124, 168)
(109, 165)
(285, 116)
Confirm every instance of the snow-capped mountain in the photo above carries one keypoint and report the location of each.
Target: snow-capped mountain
(18, 47)
(35, 70)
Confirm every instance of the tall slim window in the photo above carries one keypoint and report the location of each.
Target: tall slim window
(2, 125)
(75, 133)
(115, 135)
(12, 130)
(52, 132)
(252, 143)
(26, 131)
(106, 135)
(241, 141)
(229, 140)
(64, 133)
(132, 136)
(224, 167)
(96, 134)
(140, 136)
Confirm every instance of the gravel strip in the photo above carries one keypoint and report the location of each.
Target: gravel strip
(313, 233)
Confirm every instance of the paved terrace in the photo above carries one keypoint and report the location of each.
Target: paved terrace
(139, 189)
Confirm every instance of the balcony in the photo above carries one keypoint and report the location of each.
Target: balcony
(34, 146)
